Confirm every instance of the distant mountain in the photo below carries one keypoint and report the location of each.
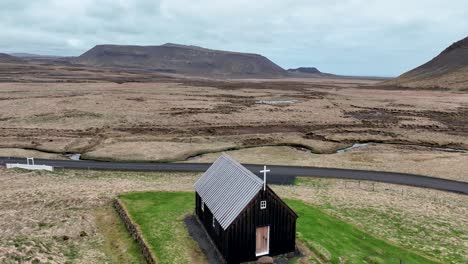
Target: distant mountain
(8, 58)
(305, 70)
(311, 72)
(33, 56)
(448, 70)
(175, 58)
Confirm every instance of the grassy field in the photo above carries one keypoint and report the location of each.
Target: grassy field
(160, 216)
(39, 209)
(418, 219)
(335, 241)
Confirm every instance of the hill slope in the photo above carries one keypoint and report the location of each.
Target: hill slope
(8, 58)
(310, 72)
(182, 59)
(448, 70)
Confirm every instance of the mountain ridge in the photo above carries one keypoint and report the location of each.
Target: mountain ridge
(448, 70)
(8, 58)
(305, 70)
(183, 59)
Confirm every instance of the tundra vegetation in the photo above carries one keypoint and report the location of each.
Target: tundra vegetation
(67, 215)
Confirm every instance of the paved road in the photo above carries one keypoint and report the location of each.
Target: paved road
(278, 174)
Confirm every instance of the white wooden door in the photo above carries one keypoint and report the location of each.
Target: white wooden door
(262, 241)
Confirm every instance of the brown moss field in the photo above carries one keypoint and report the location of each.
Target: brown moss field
(178, 118)
(59, 217)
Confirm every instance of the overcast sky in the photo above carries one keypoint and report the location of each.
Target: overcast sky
(359, 37)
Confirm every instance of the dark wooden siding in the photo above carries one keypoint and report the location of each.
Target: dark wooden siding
(237, 243)
(216, 233)
(277, 215)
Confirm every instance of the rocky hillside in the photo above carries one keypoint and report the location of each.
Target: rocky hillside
(310, 70)
(174, 58)
(448, 70)
(8, 58)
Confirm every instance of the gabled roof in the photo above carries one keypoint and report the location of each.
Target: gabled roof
(226, 188)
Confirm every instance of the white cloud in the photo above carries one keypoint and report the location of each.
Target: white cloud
(342, 36)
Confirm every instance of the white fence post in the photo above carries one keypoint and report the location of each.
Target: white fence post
(29, 165)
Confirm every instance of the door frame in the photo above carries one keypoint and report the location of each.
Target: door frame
(268, 242)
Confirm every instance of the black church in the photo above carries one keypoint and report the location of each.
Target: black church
(244, 218)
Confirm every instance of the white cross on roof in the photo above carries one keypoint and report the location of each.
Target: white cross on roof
(264, 171)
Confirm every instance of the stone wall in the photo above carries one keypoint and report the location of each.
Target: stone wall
(135, 232)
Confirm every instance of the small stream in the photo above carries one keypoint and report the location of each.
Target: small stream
(354, 146)
(363, 145)
(276, 102)
(452, 150)
(73, 156)
(339, 151)
(77, 156)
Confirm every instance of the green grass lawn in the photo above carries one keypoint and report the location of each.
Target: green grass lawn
(331, 238)
(160, 216)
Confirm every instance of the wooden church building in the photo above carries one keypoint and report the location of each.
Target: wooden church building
(243, 217)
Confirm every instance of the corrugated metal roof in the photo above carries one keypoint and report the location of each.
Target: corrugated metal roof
(226, 188)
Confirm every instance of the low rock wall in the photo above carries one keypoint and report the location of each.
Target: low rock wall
(135, 232)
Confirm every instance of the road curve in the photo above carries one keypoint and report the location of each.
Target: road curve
(278, 175)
